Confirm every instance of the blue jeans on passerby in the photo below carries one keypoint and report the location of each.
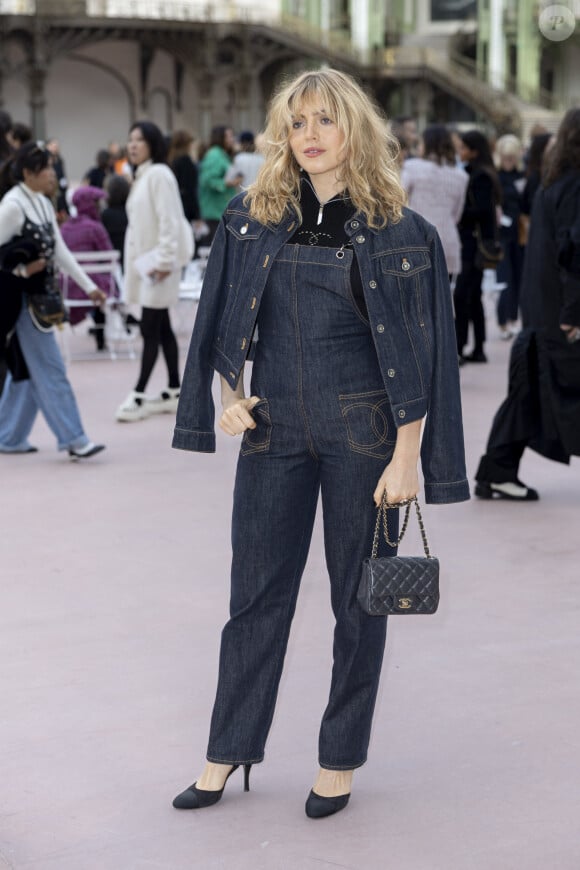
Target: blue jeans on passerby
(324, 424)
(48, 390)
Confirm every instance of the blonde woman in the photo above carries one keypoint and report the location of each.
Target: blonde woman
(508, 157)
(350, 294)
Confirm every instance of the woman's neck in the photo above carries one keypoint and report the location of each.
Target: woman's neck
(326, 188)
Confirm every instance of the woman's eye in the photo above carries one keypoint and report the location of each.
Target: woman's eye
(326, 121)
(297, 124)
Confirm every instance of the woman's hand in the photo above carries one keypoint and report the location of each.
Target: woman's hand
(572, 332)
(400, 479)
(158, 275)
(97, 296)
(35, 267)
(236, 418)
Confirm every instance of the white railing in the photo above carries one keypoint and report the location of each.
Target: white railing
(17, 7)
(184, 10)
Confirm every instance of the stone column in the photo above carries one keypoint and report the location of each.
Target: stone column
(36, 85)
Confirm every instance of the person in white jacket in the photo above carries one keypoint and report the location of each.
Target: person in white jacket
(40, 383)
(158, 243)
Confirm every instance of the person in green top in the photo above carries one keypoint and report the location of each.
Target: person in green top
(214, 191)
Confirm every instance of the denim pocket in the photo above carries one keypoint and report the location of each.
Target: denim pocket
(258, 440)
(369, 423)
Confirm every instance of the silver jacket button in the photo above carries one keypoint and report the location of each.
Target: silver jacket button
(380, 327)
(405, 265)
(391, 373)
(244, 230)
(372, 284)
(360, 239)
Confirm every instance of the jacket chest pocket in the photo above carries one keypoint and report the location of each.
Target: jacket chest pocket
(404, 264)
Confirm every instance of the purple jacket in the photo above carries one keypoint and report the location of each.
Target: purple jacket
(85, 234)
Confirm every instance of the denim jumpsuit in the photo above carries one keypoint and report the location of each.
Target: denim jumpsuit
(323, 423)
(48, 388)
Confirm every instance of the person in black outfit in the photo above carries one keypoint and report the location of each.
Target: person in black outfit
(483, 196)
(508, 150)
(542, 408)
(96, 176)
(536, 153)
(185, 170)
(114, 215)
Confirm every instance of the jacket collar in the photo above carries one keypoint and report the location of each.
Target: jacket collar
(143, 167)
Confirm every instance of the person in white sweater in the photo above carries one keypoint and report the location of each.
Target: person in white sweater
(41, 382)
(436, 189)
(158, 243)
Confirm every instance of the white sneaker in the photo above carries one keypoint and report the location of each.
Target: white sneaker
(165, 402)
(133, 408)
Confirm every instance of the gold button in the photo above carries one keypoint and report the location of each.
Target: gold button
(243, 343)
(253, 305)
(380, 327)
(266, 259)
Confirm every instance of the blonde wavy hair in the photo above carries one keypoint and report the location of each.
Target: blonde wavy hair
(369, 171)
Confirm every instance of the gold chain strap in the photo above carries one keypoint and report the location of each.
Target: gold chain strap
(382, 513)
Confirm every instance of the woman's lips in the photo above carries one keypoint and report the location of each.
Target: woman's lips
(313, 152)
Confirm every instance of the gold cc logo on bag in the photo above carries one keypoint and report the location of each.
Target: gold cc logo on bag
(405, 603)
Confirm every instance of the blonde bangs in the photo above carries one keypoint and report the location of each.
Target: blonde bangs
(370, 171)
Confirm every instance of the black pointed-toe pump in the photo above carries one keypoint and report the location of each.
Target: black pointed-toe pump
(318, 807)
(194, 798)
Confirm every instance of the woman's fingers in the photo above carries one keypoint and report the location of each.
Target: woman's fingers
(237, 418)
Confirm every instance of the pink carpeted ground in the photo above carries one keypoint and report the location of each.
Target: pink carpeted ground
(113, 592)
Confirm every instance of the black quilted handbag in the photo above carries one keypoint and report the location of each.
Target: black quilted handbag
(399, 584)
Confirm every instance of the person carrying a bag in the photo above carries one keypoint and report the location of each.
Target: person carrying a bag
(38, 378)
(478, 234)
(347, 295)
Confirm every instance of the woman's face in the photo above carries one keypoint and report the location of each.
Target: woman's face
(317, 143)
(138, 150)
(508, 162)
(229, 139)
(42, 181)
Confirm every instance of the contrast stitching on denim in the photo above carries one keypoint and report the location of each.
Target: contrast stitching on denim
(298, 571)
(247, 447)
(371, 450)
(311, 449)
(411, 342)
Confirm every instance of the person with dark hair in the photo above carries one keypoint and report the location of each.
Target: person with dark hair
(6, 147)
(41, 382)
(185, 171)
(214, 190)
(96, 176)
(534, 165)
(114, 214)
(347, 293)
(19, 135)
(436, 189)
(542, 408)
(158, 243)
(479, 217)
(53, 146)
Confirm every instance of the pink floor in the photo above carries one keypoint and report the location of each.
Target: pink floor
(114, 590)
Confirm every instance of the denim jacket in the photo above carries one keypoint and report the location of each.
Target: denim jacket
(406, 289)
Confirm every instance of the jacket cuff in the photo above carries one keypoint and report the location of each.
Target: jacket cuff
(188, 439)
(446, 493)
(409, 412)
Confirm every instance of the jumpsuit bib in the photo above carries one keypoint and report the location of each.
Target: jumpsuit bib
(324, 423)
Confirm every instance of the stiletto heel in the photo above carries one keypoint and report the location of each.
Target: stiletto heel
(194, 798)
